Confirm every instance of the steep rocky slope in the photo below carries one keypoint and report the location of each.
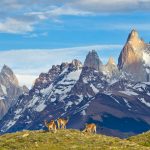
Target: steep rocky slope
(134, 57)
(9, 90)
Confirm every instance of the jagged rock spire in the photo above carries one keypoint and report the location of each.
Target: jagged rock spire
(110, 68)
(133, 34)
(92, 61)
(132, 51)
(9, 89)
(131, 57)
(134, 40)
(6, 72)
(77, 63)
(111, 61)
(6, 69)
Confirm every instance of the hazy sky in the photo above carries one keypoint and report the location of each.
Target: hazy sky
(34, 34)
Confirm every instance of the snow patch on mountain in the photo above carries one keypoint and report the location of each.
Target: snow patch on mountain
(114, 99)
(9, 125)
(46, 90)
(130, 93)
(144, 102)
(33, 102)
(78, 100)
(4, 89)
(74, 75)
(83, 113)
(69, 104)
(146, 58)
(18, 111)
(83, 108)
(127, 103)
(40, 107)
(95, 90)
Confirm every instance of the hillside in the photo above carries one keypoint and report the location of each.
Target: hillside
(65, 139)
(141, 139)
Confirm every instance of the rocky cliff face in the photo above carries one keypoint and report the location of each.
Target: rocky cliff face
(131, 58)
(92, 61)
(110, 69)
(9, 90)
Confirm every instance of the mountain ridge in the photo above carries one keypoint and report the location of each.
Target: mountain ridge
(104, 94)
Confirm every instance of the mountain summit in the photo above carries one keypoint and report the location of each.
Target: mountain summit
(111, 61)
(134, 40)
(92, 61)
(6, 72)
(110, 68)
(131, 57)
(9, 89)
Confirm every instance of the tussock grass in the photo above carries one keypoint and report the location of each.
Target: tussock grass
(141, 139)
(65, 140)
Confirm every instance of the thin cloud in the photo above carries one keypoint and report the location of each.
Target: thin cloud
(11, 25)
(27, 80)
(19, 17)
(26, 63)
(113, 6)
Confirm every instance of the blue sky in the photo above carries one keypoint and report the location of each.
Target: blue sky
(40, 29)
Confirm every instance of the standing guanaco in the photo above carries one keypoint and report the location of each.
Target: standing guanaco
(51, 125)
(90, 128)
(62, 123)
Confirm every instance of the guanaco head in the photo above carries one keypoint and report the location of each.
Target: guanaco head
(52, 121)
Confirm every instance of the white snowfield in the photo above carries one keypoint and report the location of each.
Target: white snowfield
(144, 102)
(146, 58)
(95, 90)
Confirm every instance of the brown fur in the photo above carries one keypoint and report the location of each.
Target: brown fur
(62, 123)
(51, 125)
(90, 128)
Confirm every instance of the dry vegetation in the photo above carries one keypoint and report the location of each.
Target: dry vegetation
(70, 139)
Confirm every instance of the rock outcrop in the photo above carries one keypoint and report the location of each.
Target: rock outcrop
(131, 57)
(9, 90)
(110, 68)
(92, 61)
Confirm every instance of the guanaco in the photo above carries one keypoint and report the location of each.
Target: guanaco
(62, 123)
(90, 128)
(51, 125)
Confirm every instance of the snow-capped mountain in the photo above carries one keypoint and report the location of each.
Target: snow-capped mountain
(9, 90)
(106, 95)
(47, 94)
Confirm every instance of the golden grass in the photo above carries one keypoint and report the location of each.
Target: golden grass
(65, 140)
